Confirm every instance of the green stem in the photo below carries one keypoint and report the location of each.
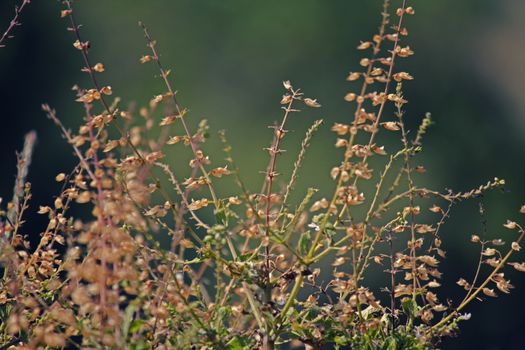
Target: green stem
(291, 297)
(480, 288)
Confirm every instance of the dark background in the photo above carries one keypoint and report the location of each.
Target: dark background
(229, 58)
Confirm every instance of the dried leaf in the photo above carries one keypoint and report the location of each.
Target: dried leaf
(145, 59)
(286, 99)
(111, 145)
(392, 126)
(518, 266)
(489, 252)
(429, 260)
(173, 140)
(402, 76)
(60, 177)
(99, 68)
(311, 103)
(198, 204)
(511, 225)
(349, 97)
(364, 45)
(106, 90)
(353, 76)
(218, 172)
(339, 261)
(43, 210)
(489, 292)
(234, 200)
(168, 120)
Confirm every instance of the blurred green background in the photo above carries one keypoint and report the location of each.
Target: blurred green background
(229, 58)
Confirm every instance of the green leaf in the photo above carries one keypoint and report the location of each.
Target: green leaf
(221, 214)
(135, 325)
(410, 307)
(245, 257)
(128, 318)
(369, 312)
(138, 346)
(329, 229)
(304, 243)
(390, 344)
(297, 215)
(237, 343)
(340, 340)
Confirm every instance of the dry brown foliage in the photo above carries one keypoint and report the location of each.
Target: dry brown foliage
(243, 270)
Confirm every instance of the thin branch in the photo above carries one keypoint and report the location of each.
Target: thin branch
(8, 34)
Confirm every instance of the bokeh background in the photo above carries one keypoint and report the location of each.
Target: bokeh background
(229, 58)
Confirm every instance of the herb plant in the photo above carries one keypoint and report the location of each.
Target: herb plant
(250, 269)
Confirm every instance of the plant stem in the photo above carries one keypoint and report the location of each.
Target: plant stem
(480, 288)
(14, 23)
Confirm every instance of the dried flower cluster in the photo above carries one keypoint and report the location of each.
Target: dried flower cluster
(243, 270)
